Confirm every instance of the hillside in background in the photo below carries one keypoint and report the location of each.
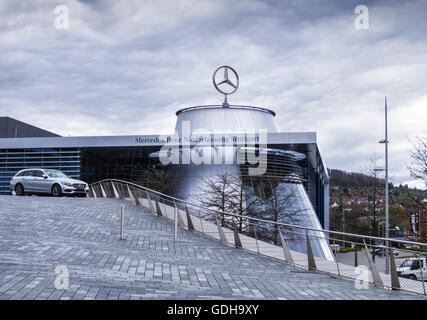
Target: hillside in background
(344, 180)
(357, 206)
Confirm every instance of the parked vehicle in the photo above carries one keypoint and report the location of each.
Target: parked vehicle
(413, 268)
(382, 251)
(335, 248)
(46, 181)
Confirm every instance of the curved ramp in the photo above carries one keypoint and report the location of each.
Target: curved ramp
(39, 233)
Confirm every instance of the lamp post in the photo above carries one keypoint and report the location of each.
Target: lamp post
(385, 141)
(375, 174)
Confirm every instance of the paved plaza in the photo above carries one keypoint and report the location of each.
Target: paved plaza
(41, 234)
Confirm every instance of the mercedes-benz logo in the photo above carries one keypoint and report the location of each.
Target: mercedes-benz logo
(229, 83)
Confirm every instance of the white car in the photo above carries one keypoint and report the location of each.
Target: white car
(413, 268)
(46, 181)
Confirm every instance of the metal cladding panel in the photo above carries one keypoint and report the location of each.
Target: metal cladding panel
(138, 140)
(304, 214)
(230, 119)
(217, 119)
(12, 128)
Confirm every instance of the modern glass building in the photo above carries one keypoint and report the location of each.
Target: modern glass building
(280, 176)
(131, 158)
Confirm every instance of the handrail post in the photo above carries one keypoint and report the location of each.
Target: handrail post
(133, 197)
(107, 190)
(189, 222)
(122, 191)
(164, 206)
(395, 283)
(122, 221)
(104, 195)
(237, 242)
(286, 251)
(109, 187)
(115, 192)
(175, 223)
(378, 282)
(201, 222)
(150, 204)
(159, 212)
(222, 237)
(94, 192)
(310, 256)
(336, 258)
(356, 262)
(256, 238)
(180, 220)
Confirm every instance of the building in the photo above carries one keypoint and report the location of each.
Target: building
(207, 140)
(93, 158)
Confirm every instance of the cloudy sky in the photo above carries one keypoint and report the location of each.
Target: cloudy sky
(125, 67)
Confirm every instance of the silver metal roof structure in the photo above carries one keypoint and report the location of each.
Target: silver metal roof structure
(231, 119)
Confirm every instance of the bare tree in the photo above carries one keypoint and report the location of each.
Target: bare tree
(216, 192)
(240, 204)
(275, 200)
(279, 204)
(418, 165)
(225, 192)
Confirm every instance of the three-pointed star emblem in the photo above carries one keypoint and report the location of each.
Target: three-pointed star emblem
(229, 83)
(226, 79)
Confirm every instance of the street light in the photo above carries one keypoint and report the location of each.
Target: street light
(385, 141)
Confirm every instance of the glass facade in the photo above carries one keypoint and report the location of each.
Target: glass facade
(12, 160)
(125, 163)
(92, 164)
(290, 174)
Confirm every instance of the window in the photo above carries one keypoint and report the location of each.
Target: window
(56, 174)
(415, 265)
(38, 173)
(28, 173)
(406, 263)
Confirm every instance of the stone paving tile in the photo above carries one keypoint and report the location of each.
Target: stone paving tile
(38, 234)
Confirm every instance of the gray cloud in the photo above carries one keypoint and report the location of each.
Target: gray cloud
(125, 67)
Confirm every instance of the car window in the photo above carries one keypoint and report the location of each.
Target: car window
(38, 173)
(20, 174)
(407, 263)
(28, 173)
(415, 265)
(56, 174)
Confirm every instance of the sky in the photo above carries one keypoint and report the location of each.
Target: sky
(125, 67)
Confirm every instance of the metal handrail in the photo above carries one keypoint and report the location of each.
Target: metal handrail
(262, 220)
(297, 250)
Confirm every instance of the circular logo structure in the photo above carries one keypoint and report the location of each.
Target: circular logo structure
(225, 80)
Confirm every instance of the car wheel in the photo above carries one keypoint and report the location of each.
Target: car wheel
(56, 190)
(19, 190)
(412, 277)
